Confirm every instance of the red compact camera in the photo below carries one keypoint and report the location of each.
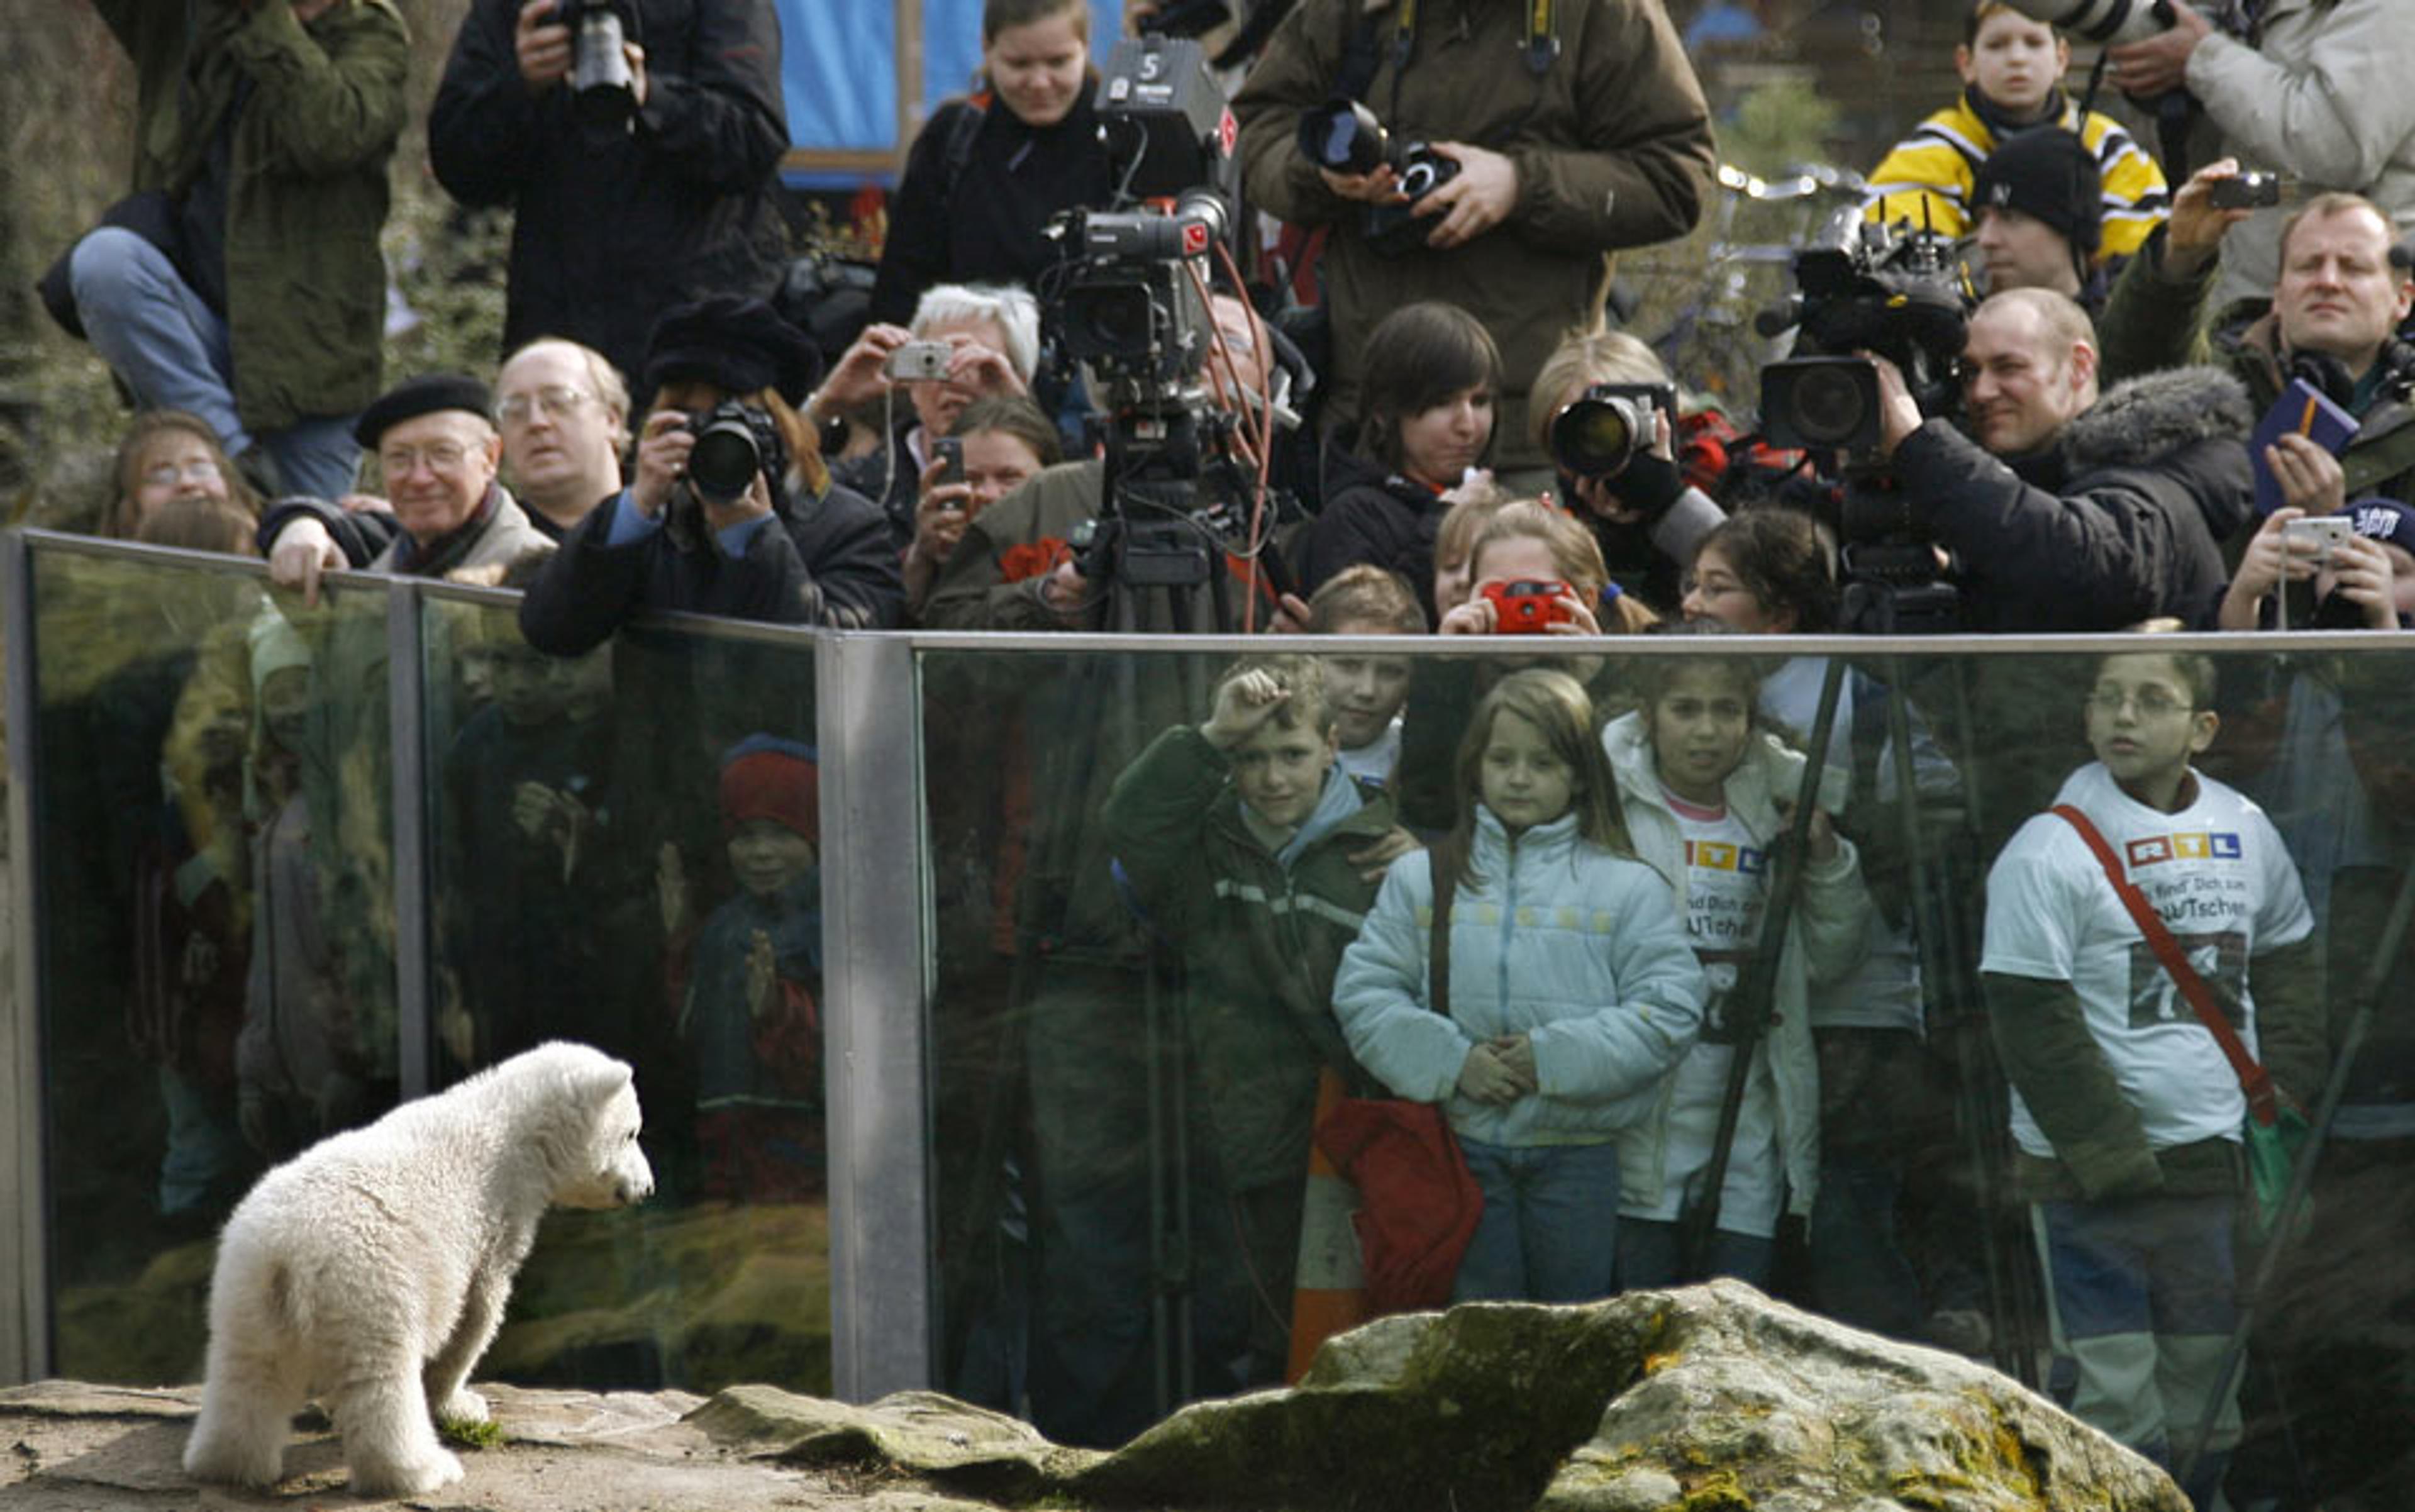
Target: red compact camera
(1525, 606)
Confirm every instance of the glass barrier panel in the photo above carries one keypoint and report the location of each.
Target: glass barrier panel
(1165, 941)
(624, 851)
(217, 917)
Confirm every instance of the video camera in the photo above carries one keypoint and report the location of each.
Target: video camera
(1345, 136)
(1890, 290)
(1124, 302)
(1903, 294)
(603, 93)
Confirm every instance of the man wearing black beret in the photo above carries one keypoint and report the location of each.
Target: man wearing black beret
(770, 537)
(435, 442)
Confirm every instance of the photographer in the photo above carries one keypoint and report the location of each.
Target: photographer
(1635, 497)
(788, 547)
(1001, 443)
(2312, 89)
(618, 214)
(1573, 130)
(241, 282)
(992, 334)
(2062, 509)
(2334, 319)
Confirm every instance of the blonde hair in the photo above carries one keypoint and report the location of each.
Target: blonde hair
(1586, 355)
(1575, 556)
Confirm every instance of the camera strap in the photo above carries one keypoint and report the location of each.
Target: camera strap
(1542, 48)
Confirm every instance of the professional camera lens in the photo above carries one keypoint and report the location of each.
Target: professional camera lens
(1829, 406)
(601, 88)
(2099, 20)
(725, 457)
(1344, 136)
(1598, 437)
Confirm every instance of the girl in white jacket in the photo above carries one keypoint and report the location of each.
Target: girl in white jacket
(1704, 795)
(1572, 992)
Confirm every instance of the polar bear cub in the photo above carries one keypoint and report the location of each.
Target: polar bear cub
(372, 1268)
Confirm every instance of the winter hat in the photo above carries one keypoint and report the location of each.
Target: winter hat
(2385, 520)
(2047, 173)
(738, 345)
(764, 777)
(424, 394)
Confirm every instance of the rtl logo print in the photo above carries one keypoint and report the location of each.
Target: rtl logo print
(2202, 845)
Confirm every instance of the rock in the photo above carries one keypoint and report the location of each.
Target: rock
(1710, 1399)
(922, 1433)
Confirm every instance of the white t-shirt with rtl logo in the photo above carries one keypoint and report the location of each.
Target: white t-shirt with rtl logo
(2218, 876)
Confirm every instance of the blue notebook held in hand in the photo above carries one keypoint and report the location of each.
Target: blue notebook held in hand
(2308, 412)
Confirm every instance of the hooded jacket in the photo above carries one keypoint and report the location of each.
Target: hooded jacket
(2120, 519)
(1261, 937)
(1825, 939)
(1611, 142)
(1575, 946)
(321, 107)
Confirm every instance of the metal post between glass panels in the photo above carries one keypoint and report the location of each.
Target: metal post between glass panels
(874, 886)
(24, 1317)
(407, 709)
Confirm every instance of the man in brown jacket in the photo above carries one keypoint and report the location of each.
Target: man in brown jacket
(1578, 128)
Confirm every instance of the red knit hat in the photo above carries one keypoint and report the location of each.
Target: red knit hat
(765, 778)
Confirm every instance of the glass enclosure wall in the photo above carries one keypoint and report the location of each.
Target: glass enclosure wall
(985, 991)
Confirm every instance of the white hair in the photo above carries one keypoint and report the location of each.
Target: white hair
(1012, 308)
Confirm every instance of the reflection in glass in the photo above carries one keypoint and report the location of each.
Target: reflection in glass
(624, 851)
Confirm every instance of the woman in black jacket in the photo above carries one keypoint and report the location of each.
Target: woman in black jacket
(1432, 373)
(1026, 145)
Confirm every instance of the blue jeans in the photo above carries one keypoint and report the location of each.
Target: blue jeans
(1549, 1230)
(2143, 1294)
(1859, 1274)
(1649, 1256)
(174, 352)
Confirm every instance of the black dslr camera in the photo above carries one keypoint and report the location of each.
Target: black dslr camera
(1602, 430)
(603, 93)
(734, 442)
(1346, 137)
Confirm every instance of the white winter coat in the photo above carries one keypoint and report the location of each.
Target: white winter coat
(1825, 937)
(2323, 96)
(1578, 947)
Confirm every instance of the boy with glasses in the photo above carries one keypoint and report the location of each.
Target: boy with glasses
(2125, 1110)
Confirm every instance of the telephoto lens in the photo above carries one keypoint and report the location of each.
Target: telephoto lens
(1603, 428)
(725, 457)
(1346, 137)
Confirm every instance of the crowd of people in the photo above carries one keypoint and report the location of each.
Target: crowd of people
(2179, 393)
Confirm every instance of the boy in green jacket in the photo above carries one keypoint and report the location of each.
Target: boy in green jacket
(1256, 855)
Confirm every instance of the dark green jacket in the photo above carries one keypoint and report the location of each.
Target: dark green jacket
(2153, 321)
(307, 190)
(2102, 1153)
(1260, 945)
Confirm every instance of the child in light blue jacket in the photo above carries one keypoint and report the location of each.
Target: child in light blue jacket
(1572, 992)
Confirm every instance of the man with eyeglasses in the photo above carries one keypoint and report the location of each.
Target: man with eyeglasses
(562, 410)
(2125, 1110)
(437, 450)
(2059, 507)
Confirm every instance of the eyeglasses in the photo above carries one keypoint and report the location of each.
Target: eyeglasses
(440, 457)
(558, 402)
(168, 474)
(2151, 703)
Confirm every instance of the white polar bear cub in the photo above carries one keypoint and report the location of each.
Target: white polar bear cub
(372, 1267)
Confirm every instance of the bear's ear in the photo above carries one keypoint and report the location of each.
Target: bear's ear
(602, 1081)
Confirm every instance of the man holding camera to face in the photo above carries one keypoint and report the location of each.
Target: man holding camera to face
(2064, 508)
(1551, 134)
(636, 141)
